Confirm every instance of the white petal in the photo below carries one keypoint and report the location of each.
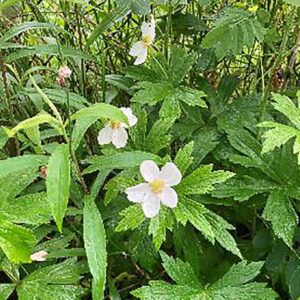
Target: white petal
(142, 57)
(105, 135)
(149, 170)
(39, 256)
(171, 174)
(137, 49)
(119, 137)
(138, 193)
(168, 197)
(132, 119)
(148, 29)
(151, 205)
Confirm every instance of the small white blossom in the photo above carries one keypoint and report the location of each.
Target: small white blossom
(140, 49)
(115, 132)
(157, 189)
(39, 256)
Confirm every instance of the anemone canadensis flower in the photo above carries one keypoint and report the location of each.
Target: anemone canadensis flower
(114, 132)
(157, 188)
(39, 256)
(140, 49)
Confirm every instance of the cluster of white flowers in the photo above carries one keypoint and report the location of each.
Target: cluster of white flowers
(140, 49)
(157, 188)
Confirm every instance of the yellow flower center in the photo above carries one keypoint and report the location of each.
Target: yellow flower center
(115, 124)
(147, 39)
(157, 186)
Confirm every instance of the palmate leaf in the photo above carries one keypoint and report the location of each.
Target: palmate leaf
(280, 133)
(233, 285)
(235, 29)
(280, 212)
(55, 282)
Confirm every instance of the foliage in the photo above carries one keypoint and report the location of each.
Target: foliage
(214, 104)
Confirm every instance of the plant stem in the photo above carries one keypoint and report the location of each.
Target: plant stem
(267, 90)
(168, 29)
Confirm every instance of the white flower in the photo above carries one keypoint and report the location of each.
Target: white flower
(115, 132)
(140, 49)
(158, 189)
(39, 256)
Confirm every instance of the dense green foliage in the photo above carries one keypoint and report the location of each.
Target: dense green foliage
(212, 88)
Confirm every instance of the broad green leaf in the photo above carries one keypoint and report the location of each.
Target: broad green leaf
(29, 209)
(80, 128)
(101, 110)
(58, 183)
(151, 93)
(158, 227)
(95, 245)
(292, 274)
(202, 180)
(133, 217)
(17, 29)
(235, 29)
(16, 242)
(280, 212)
(6, 290)
(120, 161)
(138, 7)
(35, 121)
(3, 137)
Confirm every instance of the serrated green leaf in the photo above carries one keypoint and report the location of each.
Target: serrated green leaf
(120, 161)
(280, 212)
(158, 227)
(133, 217)
(184, 158)
(16, 242)
(202, 180)
(6, 290)
(58, 183)
(190, 96)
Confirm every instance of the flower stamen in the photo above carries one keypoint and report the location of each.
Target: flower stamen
(115, 124)
(157, 186)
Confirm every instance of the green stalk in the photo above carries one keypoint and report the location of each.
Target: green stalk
(168, 29)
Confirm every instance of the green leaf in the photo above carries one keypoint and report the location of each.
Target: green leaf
(158, 227)
(54, 282)
(180, 64)
(16, 242)
(152, 93)
(120, 161)
(17, 29)
(133, 217)
(29, 209)
(6, 290)
(280, 212)
(58, 183)
(292, 274)
(220, 230)
(95, 245)
(138, 7)
(3, 137)
(35, 121)
(47, 50)
(238, 274)
(182, 273)
(190, 96)
(159, 137)
(101, 110)
(184, 158)
(235, 29)
(202, 180)
(243, 188)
